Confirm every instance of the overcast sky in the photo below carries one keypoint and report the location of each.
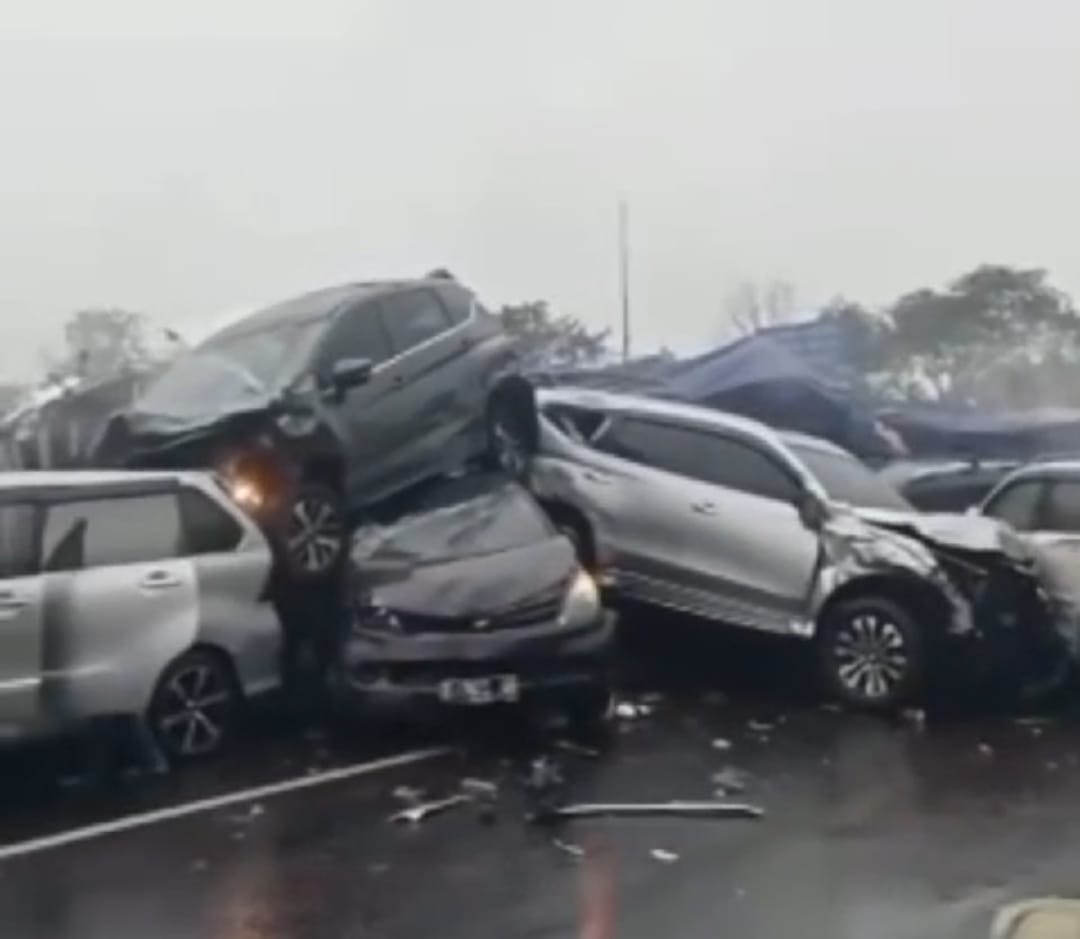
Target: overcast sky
(193, 158)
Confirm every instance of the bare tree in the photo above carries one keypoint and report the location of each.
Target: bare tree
(754, 305)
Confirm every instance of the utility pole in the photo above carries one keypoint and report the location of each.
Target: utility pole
(624, 276)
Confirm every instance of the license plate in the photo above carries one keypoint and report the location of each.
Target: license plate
(493, 689)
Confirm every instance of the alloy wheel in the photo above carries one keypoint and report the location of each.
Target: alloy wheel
(870, 656)
(315, 535)
(193, 710)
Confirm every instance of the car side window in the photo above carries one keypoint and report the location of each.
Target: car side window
(711, 459)
(413, 318)
(1018, 504)
(458, 302)
(359, 333)
(208, 528)
(17, 532)
(1061, 510)
(103, 532)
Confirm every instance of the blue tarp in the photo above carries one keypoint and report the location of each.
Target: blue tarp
(759, 378)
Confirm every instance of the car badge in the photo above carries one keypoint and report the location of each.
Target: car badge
(481, 623)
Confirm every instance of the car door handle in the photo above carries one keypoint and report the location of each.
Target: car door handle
(704, 508)
(159, 580)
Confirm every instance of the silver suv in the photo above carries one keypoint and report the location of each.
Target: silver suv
(131, 594)
(697, 510)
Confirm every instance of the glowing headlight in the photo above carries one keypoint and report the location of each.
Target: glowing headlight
(245, 493)
(581, 605)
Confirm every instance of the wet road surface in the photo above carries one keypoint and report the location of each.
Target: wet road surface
(873, 828)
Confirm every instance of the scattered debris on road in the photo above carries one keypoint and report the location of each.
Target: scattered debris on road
(761, 727)
(664, 857)
(566, 847)
(409, 794)
(417, 813)
(676, 809)
(577, 749)
(728, 780)
(630, 710)
(916, 717)
(721, 743)
(986, 750)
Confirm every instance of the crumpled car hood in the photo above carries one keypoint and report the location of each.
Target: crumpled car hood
(471, 586)
(974, 533)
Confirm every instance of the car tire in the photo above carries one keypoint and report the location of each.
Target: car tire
(870, 653)
(195, 707)
(315, 534)
(507, 449)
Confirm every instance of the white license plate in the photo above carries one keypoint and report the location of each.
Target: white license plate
(491, 689)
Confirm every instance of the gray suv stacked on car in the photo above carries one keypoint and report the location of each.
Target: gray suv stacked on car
(331, 402)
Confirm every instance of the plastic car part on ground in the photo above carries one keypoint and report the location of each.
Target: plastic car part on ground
(676, 809)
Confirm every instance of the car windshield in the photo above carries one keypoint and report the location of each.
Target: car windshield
(845, 479)
(453, 525)
(231, 371)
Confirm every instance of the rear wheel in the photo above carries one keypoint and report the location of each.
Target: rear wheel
(315, 533)
(870, 653)
(195, 707)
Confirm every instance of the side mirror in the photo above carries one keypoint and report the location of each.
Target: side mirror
(812, 511)
(350, 373)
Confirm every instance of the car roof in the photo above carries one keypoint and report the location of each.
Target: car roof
(319, 304)
(795, 439)
(619, 402)
(46, 479)
(1048, 468)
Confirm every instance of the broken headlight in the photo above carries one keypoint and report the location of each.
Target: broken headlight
(581, 605)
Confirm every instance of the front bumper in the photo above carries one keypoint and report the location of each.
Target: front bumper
(377, 672)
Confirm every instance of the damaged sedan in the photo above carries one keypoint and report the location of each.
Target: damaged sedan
(714, 515)
(473, 599)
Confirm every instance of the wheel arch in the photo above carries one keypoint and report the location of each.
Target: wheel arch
(928, 606)
(519, 395)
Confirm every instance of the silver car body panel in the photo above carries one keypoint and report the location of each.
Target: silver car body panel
(95, 641)
(748, 561)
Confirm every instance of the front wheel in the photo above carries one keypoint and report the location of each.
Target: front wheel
(315, 533)
(195, 707)
(507, 448)
(870, 653)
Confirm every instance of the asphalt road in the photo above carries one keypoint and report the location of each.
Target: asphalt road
(873, 828)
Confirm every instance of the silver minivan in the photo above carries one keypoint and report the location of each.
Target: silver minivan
(128, 593)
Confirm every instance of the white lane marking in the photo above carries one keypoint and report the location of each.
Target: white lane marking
(129, 822)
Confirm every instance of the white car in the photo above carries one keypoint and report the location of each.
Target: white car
(131, 593)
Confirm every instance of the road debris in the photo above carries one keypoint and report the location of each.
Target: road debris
(761, 727)
(577, 749)
(631, 710)
(721, 743)
(986, 750)
(409, 794)
(566, 847)
(678, 809)
(664, 857)
(417, 813)
(652, 699)
(916, 717)
(728, 780)
(483, 789)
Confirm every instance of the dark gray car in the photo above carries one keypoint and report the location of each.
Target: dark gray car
(329, 403)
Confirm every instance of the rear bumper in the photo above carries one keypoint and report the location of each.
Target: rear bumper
(406, 672)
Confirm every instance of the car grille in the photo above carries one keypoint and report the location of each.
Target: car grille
(534, 612)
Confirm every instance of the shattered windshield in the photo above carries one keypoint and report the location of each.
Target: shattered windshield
(501, 519)
(233, 370)
(845, 479)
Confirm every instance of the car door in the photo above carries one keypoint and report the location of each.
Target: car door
(368, 417)
(120, 603)
(721, 522)
(233, 563)
(750, 547)
(1052, 525)
(431, 369)
(21, 618)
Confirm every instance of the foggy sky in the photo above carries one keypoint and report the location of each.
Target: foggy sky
(191, 159)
